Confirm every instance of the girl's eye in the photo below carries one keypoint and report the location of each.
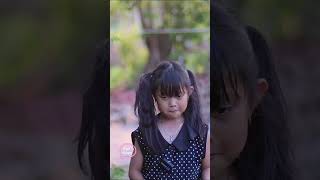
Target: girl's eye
(223, 109)
(180, 95)
(219, 114)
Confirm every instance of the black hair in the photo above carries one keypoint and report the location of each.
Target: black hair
(93, 130)
(241, 56)
(169, 78)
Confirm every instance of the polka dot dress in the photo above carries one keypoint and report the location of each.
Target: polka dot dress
(184, 155)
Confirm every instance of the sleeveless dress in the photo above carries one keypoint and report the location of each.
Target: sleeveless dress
(179, 160)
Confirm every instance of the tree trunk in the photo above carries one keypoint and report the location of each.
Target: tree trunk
(159, 45)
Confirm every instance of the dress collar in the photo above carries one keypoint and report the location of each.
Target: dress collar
(182, 141)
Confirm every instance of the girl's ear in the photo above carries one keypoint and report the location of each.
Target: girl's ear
(155, 103)
(190, 90)
(262, 89)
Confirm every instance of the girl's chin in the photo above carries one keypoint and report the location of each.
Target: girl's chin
(173, 115)
(220, 165)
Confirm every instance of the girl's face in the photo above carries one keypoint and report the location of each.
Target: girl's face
(173, 107)
(230, 127)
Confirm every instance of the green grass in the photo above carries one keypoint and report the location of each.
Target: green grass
(118, 173)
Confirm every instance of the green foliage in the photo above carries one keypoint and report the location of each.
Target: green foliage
(13, 54)
(119, 11)
(186, 45)
(281, 20)
(117, 77)
(124, 34)
(198, 62)
(133, 56)
(183, 14)
(176, 14)
(56, 34)
(117, 172)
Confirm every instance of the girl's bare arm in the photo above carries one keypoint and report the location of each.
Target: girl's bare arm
(206, 161)
(136, 164)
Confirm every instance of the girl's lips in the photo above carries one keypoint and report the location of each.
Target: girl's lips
(215, 155)
(173, 110)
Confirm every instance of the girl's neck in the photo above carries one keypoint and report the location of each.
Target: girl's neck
(227, 175)
(164, 119)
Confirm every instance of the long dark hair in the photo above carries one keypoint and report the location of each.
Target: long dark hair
(169, 77)
(241, 57)
(93, 130)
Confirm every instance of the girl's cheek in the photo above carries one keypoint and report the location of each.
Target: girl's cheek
(239, 127)
(160, 105)
(234, 135)
(186, 103)
(240, 141)
(237, 143)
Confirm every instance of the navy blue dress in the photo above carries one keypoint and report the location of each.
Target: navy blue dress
(183, 156)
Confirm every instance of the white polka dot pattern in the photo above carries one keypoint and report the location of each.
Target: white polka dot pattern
(186, 164)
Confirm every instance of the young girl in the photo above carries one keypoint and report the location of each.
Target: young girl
(171, 144)
(250, 135)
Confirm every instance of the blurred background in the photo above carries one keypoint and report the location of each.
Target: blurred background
(47, 49)
(292, 29)
(142, 34)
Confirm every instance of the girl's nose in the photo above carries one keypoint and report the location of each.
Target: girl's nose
(172, 102)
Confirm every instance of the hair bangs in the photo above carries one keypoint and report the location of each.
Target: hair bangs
(171, 84)
(226, 84)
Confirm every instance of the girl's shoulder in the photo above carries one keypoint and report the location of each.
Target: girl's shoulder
(137, 130)
(137, 134)
(206, 132)
(206, 126)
